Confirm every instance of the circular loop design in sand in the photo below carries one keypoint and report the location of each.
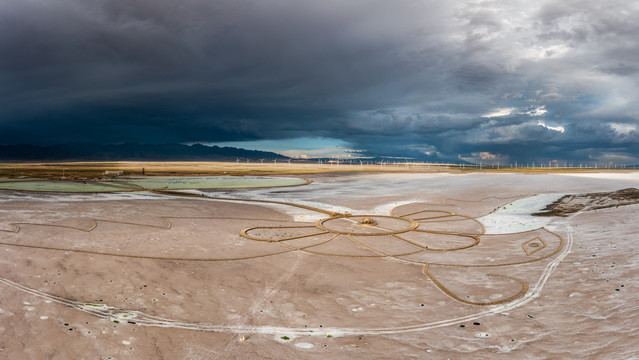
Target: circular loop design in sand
(352, 225)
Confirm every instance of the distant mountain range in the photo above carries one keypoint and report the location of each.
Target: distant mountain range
(129, 151)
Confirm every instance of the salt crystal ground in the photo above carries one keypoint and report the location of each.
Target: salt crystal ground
(142, 275)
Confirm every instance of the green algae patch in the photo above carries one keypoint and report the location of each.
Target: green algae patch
(58, 186)
(211, 182)
(96, 305)
(140, 183)
(4, 179)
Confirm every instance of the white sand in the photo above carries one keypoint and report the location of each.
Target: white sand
(631, 177)
(516, 216)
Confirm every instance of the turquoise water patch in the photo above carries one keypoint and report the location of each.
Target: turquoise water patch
(57, 186)
(2, 180)
(150, 183)
(211, 182)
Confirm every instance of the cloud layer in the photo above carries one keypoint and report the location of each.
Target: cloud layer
(445, 79)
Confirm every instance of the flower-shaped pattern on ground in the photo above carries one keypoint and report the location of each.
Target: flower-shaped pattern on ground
(436, 239)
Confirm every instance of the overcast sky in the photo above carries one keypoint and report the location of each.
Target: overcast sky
(501, 80)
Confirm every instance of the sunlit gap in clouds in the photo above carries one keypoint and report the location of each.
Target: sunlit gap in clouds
(301, 147)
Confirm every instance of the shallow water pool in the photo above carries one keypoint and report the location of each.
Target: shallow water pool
(151, 183)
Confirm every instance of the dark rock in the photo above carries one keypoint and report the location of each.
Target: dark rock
(571, 204)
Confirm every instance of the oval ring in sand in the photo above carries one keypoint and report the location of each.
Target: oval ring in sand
(390, 225)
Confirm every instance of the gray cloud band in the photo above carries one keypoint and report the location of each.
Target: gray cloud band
(400, 78)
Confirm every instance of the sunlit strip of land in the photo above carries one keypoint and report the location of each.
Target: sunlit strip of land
(79, 170)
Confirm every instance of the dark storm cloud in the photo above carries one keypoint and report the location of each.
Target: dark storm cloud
(401, 78)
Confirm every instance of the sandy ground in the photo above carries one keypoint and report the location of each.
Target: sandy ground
(115, 276)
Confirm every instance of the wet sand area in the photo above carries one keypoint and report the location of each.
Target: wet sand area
(236, 276)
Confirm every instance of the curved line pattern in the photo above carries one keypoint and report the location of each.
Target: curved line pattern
(448, 213)
(555, 252)
(142, 256)
(384, 254)
(476, 241)
(413, 225)
(543, 245)
(522, 291)
(244, 233)
(303, 248)
(378, 254)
